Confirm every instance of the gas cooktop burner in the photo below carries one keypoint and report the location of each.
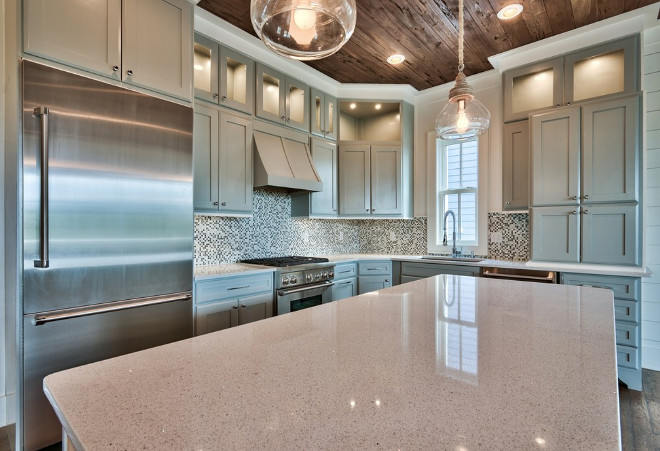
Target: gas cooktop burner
(285, 261)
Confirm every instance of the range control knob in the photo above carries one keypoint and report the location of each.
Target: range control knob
(294, 279)
(317, 276)
(332, 273)
(285, 281)
(325, 274)
(308, 278)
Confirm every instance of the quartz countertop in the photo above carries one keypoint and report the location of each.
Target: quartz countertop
(446, 362)
(222, 269)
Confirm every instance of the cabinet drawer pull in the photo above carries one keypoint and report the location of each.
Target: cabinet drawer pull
(344, 272)
(346, 283)
(238, 288)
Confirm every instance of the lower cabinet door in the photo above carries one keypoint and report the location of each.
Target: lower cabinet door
(373, 283)
(610, 234)
(254, 308)
(344, 289)
(216, 316)
(555, 233)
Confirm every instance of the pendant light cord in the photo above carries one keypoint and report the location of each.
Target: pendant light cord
(461, 66)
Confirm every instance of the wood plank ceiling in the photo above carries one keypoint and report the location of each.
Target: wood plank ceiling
(426, 32)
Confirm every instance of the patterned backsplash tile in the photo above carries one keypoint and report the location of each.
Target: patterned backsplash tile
(272, 232)
(514, 231)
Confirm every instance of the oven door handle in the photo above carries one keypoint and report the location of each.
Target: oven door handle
(305, 288)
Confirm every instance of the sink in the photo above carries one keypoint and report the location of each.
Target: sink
(452, 259)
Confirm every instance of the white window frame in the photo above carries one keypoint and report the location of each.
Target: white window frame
(435, 148)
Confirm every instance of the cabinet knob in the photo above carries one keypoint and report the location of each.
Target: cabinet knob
(216, 95)
(586, 211)
(129, 72)
(223, 98)
(557, 106)
(224, 204)
(283, 118)
(573, 212)
(508, 202)
(115, 68)
(568, 103)
(215, 203)
(586, 196)
(387, 280)
(234, 306)
(367, 209)
(243, 305)
(574, 197)
(373, 209)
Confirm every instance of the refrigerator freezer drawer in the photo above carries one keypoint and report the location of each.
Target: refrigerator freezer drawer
(57, 345)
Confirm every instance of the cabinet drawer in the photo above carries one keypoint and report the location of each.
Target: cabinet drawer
(627, 356)
(623, 287)
(375, 268)
(345, 271)
(232, 287)
(421, 270)
(406, 279)
(627, 334)
(626, 310)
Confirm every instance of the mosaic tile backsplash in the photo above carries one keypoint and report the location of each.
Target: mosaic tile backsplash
(272, 232)
(512, 232)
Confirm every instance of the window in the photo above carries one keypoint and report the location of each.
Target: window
(458, 177)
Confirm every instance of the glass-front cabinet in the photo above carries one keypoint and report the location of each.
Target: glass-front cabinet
(222, 75)
(282, 99)
(324, 115)
(594, 72)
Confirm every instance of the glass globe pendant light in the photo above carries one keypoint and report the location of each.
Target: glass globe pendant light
(463, 117)
(303, 29)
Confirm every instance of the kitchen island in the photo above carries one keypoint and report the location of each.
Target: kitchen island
(446, 362)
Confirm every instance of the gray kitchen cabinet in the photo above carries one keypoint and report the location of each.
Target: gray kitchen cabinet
(142, 43)
(324, 115)
(345, 281)
(590, 73)
(374, 275)
(626, 291)
(222, 161)
(555, 157)
(610, 234)
(222, 75)
(515, 166)
(370, 179)
(232, 300)
(610, 167)
(419, 270)
(592, 214)
(325, 202)
(281, 98)
(555, 233)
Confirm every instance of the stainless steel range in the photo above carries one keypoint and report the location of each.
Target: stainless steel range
(300, 282)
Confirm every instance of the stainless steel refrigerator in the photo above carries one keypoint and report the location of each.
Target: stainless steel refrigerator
(107, 229)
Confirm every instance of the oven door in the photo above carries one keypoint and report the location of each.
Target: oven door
(298, 298)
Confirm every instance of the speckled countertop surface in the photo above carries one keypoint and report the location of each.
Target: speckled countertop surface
(211, 271)
(445, 362)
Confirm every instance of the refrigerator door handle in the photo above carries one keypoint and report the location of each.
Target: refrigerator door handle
(58, 315)
(41, 113)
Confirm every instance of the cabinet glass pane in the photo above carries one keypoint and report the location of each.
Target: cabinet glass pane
(532, 91)
(318, 109)
(202, 63)
(330, 117)
(271, 94)
(236, 80)
(297, 104)
(599, 76)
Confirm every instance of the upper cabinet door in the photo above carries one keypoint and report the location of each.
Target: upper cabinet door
(324, 155)
(205, 158)
(386, 180)
(330, 116)
(515, 162)
(205, 68)
(297, 104)
(236, 80)
(602, 70)
(318, 112)
(235, 162)
(354, 181)
(270, 94)
(556, 157)
(157, 45)
(533, 88)
(610, 162)
(79, 33)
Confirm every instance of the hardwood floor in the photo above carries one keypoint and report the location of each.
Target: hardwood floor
(640, 416)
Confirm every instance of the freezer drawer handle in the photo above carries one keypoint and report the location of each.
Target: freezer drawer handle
(41, 113)
(57, 315)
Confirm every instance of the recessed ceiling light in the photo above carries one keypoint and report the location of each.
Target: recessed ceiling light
(377, 106)
(396, 59)
(509, 11)
(353, 105)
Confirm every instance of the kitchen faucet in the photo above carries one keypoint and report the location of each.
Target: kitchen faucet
(454, 252)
